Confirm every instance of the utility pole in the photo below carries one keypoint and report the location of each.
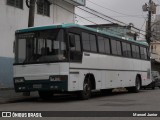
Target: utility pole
(31, 5)
(149, 34)
(151, 8)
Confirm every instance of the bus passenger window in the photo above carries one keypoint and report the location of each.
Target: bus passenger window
(134, 51)
(75, 47)
(137, 52)
(107, 46)
(143, 53)
(101, 45)
(93, 43)
(124, 49)
(129, 50)
(114, 47)
(119, 50)
(86, 41)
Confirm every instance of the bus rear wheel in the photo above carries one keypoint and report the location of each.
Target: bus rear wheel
(46, 95)
(137, 86)
(86, 92)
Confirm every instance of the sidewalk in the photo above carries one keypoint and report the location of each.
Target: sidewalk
(9, 95)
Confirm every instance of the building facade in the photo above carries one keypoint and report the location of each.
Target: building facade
(156, 28)
(155, 51)
(14, 15)
(155, 55)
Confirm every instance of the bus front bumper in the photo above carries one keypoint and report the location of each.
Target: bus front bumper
(41, 85)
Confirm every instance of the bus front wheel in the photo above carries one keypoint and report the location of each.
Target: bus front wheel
(86, 92)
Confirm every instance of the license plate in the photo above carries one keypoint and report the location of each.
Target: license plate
(37, 86)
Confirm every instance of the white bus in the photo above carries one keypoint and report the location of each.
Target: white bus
(76, 59)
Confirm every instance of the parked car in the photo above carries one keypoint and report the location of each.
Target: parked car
(155, 76)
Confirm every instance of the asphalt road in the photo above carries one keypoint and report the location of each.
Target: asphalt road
(146, 100)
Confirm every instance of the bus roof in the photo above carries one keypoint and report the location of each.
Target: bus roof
(70, 25)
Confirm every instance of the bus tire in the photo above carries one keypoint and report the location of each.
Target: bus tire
(137, 86)
(46, 95)
(86, 92)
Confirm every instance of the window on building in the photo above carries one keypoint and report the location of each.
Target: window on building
(43, 7)
(15, 3)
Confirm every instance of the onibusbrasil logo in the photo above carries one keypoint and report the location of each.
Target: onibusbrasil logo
(21, 114)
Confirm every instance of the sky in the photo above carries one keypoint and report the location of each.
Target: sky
(127, 11)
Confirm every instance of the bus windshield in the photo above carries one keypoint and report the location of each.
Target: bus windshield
(40, 47)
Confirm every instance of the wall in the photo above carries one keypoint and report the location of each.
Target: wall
(61, 15)
(11, 19)
(155, 50)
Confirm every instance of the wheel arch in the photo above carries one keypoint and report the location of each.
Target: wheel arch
(92, 80)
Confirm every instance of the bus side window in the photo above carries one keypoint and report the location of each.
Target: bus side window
(114, 47)
(119, 49)
(93, 43)
(107, 45)
(101, 44)
(143, 52)
(134, 51)
(129, 50)
(86, 41)
(137, 51)
(148, 54)
(75, 47)
(124, 49)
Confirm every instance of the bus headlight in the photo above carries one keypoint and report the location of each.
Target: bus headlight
(58, 78)
(19, 80)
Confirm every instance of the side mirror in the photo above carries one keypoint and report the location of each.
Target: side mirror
(72, 40)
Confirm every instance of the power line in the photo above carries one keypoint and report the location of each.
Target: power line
(87, 19)
(112, 10)
(75, 14)
(83, 17)
(120, 16)
(108, 17)
(112, 18)
(96, 15)
(158, 1)
(118, 13)
(102, 15)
